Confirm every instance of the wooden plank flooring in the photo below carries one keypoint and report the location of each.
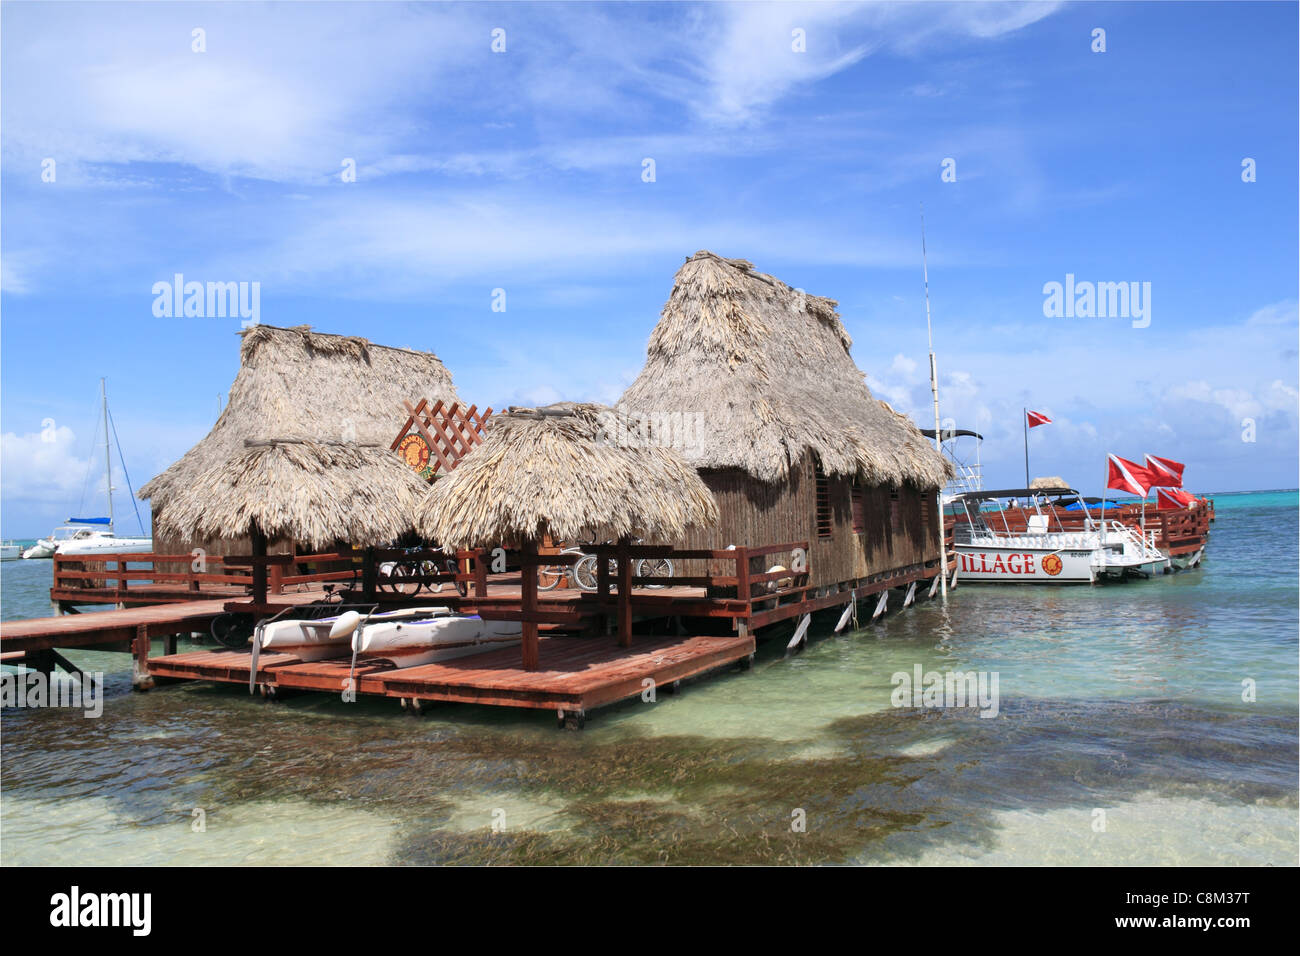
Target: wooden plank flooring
(110, 627)
(576, 674)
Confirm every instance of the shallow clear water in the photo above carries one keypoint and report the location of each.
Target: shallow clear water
(1125, 699)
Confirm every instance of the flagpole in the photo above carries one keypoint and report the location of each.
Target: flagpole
(938, 433)
(1024, 420)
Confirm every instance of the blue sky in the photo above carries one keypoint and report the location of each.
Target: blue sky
(522, 170)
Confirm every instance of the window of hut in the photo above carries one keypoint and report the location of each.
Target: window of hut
(893, 509)
(822, 520)
(858, 507)
(927, 503)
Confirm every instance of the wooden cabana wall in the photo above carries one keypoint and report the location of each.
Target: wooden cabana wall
(895, 528)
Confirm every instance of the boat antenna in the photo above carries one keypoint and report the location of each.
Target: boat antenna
(934, 390)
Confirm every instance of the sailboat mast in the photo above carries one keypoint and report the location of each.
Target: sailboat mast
(108, 451)
(934, 390)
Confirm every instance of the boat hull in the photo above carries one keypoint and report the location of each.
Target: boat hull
(105, 544)
(1024, 565)
(412, 643)
(309, 639)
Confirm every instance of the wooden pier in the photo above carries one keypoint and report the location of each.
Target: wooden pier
(592, 648)
(575, 675)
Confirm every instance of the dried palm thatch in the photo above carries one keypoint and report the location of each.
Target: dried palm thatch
(560, 471)
(312, 492)
(1054, 482)
(767, 369)
(317, 395)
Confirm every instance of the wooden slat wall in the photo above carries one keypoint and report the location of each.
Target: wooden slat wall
(754, 514)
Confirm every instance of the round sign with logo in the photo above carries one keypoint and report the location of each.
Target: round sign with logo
(416, 453)
(1052, 564)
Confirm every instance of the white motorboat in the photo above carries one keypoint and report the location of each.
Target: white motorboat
(103, 542)
(74, 529)
(311, 640)
(89, 536)
(10, 551)
(439, 637)
(1044, 552)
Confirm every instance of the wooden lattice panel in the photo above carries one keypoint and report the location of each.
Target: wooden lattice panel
(435, 438)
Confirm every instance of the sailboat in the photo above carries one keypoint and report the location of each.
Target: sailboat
(80, 536)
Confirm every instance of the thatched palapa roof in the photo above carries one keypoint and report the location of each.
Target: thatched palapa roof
(560, 470)
(302, 445)
(311, 492)
(1056, 482)
(767, 369)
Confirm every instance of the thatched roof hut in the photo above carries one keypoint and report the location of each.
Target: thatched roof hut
(302, 445)
(1052, 482)
(768, 368)
(560, 471)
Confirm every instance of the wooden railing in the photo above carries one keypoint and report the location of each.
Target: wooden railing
(75, 572)
(111, 572)
(743, 578)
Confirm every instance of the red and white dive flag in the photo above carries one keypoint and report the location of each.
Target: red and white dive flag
(1168, 473)
(1173, 498)
(1129, 476)
(1037, 418)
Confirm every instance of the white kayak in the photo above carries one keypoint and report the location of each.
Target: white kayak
(310, 640)
(438, 637)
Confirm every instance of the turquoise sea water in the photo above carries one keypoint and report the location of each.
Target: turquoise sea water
(1120, 703)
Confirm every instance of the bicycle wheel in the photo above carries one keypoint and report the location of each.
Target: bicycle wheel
(584, 573)
(549, 577)
(399, 579)
(654, 568)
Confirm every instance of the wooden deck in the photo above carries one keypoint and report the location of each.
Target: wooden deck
(575, 675)
(112, 629)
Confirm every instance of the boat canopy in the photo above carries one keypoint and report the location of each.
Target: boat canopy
(948, 433)
(1013, 493)
(89, 521)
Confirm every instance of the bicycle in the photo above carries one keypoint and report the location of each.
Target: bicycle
(585, 571)
(408, 577)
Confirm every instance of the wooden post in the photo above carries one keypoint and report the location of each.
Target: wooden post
(624, 593)
(742, 574)
(140, 678)
(368, 579)
(528, 579)
(259, 567)
(480, 572)
(277, 573)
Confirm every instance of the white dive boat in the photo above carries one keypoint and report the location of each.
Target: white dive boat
(310, 640)
(438, 637)
(9, 551)
(1045, 552)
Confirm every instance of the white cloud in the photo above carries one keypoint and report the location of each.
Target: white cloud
(42, 467)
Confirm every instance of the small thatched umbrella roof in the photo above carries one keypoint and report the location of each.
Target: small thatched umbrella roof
(560, 471)
(302, 445)
(313, 492)
(1053, 482)
(767, 368)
